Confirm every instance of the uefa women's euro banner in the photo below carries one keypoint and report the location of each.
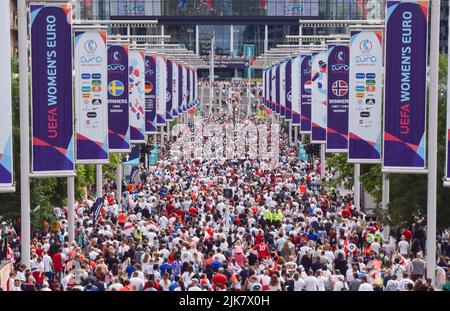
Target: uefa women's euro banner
(169, 86)
(282, 88)
(337, 94)
(296, 99)
(185, 88)
(6, 149)
(305, 94)
(136, 95)
(118, 111)
(51, 73)
(180, 89)
(161, 74)
(405, 86)
(288, 90)
(277, 90)
(319, 86)
(150, 94)
(91, 97)
(364, 111)
(175, 89)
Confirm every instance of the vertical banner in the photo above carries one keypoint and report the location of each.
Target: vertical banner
(273, 88)
(319, 78)
(288, 90)
(169, 90)
(185, 89)
(282, 88)
(264, 87)
(188, 87)
(175, 90)
(180, 89)
(337, 94)
(305, 94)
(364, 109)
(51, 73)
(405, 86)
(6, 149)
(277, 90)
(150, 94)
(136, 95)
(296, 100)
(196, 86)
(91, 97)
(118, 111)
(161, 74)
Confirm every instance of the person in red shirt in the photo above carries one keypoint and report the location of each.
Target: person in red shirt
(407, 234)
(262, 249)
(259, 237)
(58, 264)
(346, 213)
(220, 279)
(302, 189)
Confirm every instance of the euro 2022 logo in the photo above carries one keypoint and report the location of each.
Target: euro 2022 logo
(340, 57)
(90, 46)
(365, 46)
(116, 57)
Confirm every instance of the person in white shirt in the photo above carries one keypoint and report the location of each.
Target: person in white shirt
(137, 281)
(299, 283)
(403, 283)
(365, 286)
(403, 247)
(194, 286)
(311, 284)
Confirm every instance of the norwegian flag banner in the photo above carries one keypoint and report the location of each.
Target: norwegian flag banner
(337, 97)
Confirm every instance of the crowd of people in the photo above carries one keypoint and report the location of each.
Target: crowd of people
(214, 224)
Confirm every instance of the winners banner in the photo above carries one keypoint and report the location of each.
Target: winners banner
(405, 91)
(289, 90)
(175, 90)
(91, 97)
(337, 94)
(6, 149)
(185, 88)
(150, 94)
(118, 111)
(51, 83)
(277, 90)
(169, 86)
(296, 100)
(136, 95)
(161, 74)
(319, 98)
(283, 90)
(364, 111)
(305, 94)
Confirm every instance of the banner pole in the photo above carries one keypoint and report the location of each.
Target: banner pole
(322, 160)
(24, 135)
(290, 131)
(357, 187)
(432, 139)
(385, 202)
(71, 207)
(99, 181)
